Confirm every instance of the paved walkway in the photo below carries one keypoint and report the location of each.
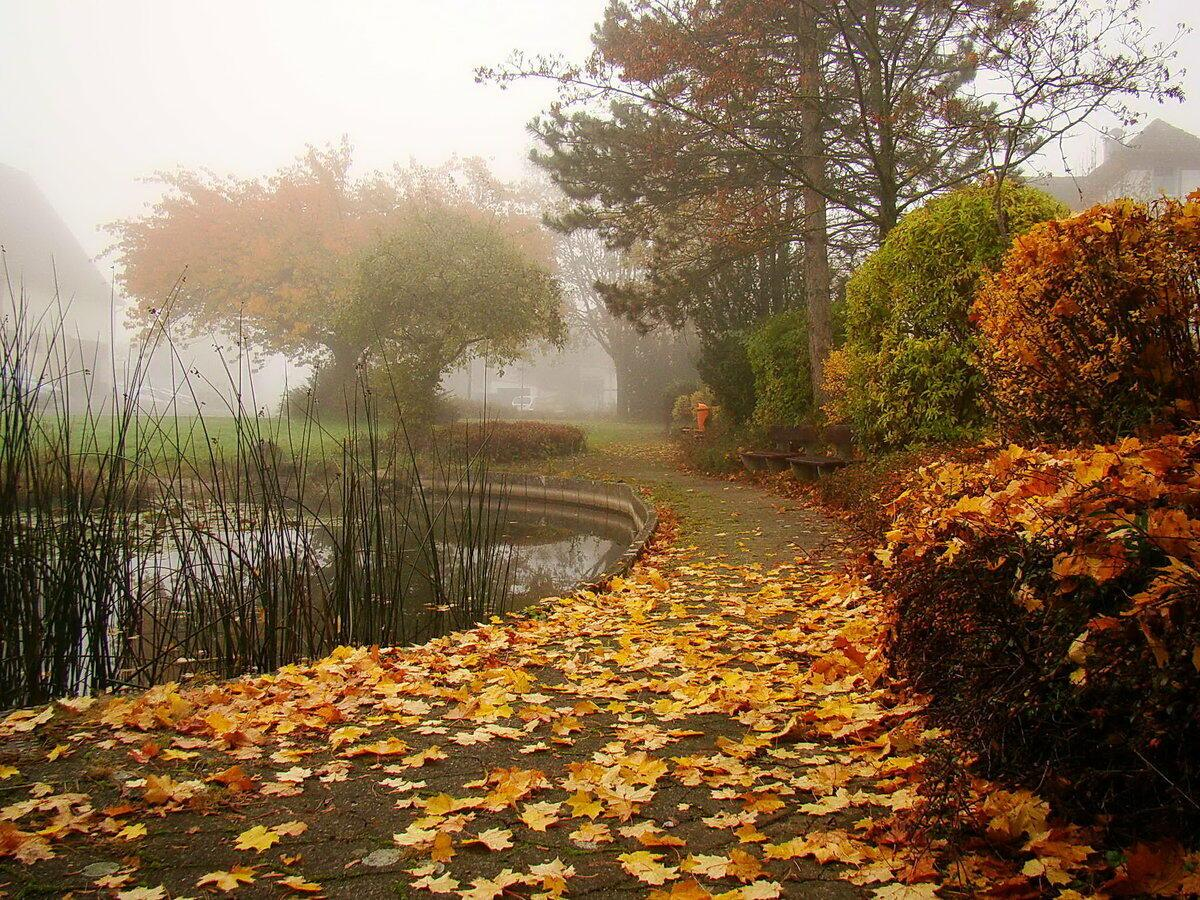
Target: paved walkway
(709, 727)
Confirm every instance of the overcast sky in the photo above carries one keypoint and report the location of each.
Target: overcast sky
(95, 94)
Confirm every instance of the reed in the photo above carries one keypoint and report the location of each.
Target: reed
(136, 546)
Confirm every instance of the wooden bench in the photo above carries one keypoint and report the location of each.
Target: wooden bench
(786, 442)
(809, 466)
(765, 460)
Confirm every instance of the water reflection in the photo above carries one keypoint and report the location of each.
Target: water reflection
(556, 547)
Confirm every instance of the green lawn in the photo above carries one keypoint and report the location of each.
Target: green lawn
(602, 434)
(192, 436)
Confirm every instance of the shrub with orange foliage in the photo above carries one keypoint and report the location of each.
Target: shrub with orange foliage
(1091, 330)
(1049, 602)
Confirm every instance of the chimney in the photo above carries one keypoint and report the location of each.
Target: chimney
(1112, 142)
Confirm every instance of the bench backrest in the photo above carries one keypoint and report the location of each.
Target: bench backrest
(793, 437)
(840, 437)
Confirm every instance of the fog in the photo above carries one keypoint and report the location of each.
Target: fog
(100, 95)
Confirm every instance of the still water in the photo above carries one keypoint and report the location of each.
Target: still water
(556, 548)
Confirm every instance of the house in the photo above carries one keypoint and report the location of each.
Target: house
(49, 279)
(45, 262)
(1161, 159)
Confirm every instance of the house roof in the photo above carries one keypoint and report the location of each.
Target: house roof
(1158, 147)
(43, 258)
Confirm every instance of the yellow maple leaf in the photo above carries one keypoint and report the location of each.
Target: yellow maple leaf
(443, 848)
(540, 816)
(227, 881)
(258, 838)
(493, 839)
(347, 734)
(583, 804)
(298, 884)
(647, 867)
(592, 833)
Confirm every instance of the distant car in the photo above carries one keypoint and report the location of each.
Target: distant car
(523, 402)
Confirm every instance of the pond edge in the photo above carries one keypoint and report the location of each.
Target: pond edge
(609, 496)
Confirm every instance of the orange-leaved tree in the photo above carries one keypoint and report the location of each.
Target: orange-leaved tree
(1091, 329)
(277, 260)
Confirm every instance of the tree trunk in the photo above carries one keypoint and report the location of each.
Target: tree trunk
(817, 277)
(335, 383)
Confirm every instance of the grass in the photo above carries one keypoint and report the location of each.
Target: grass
(195, 437)
(603, 434)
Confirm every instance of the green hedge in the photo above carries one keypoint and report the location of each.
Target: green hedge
(778, 355)
(912, 378)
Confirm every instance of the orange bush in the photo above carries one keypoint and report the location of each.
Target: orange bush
(1049, 602)
(1091, 329)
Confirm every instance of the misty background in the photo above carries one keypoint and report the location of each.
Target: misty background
(101, 95)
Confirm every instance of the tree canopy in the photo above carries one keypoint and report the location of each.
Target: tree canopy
(714, 131)
(426, 264)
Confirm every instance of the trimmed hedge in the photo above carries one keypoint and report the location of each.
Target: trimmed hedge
(514, 441)
(1091, 330)
(910, 377)
(778, 355)
(1049, 603)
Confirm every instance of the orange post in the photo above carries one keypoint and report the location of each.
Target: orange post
(701, 417)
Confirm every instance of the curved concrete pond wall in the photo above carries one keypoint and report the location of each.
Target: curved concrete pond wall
(578, 497)
(613, 507)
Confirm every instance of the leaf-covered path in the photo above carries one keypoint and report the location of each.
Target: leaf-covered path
(715, 724)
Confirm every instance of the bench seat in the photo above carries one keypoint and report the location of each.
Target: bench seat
(810, 468)
(765, 460)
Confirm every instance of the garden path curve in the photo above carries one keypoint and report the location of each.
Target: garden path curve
(713, 725)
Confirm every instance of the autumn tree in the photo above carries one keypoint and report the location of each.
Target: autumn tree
(292, 263)
(822, 123)
(437, 286)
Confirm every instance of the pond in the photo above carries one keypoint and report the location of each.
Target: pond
(555, 548)
(193, 590)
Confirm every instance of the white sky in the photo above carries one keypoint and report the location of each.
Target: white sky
(95, 94)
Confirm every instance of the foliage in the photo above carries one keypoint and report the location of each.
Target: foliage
(910, 377)
(683, 412)
(437, 285)
(725, 368)
(513, 441)
(866, 491)
(778, 355)
(716, 136)
(1049, 601)
(835, 386)
(320, 267)
(1091, 329)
